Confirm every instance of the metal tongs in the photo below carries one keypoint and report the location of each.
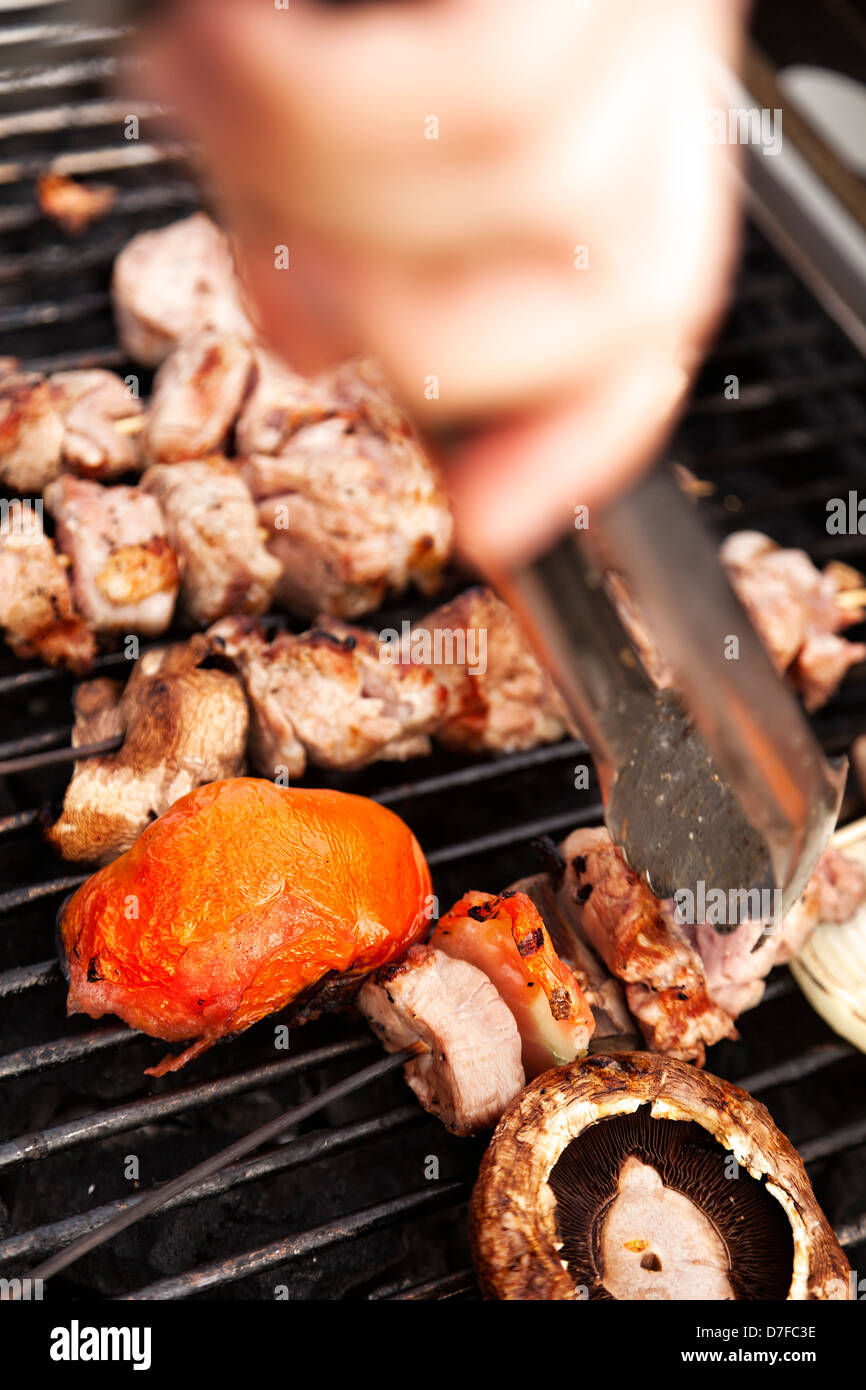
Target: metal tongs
(720, 786)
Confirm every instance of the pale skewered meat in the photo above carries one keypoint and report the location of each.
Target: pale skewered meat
(196, 397)
(124, 571)
(170, 284)
(211, 523)
(797, 610)
(354, 506)
(36, 607)
(101, 421)
(499, 696)
(473, 1067)
(328, 697)
(183, 726)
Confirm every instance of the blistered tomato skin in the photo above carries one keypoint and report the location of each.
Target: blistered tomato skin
(236, 900)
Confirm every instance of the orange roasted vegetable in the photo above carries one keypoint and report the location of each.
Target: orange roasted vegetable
(238, 900)
(507, 939)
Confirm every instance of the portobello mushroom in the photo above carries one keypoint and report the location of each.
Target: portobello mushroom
(635, 1176)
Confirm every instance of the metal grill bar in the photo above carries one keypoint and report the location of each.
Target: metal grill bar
(44, 972)
(462, 1281)
(795, 1068)
(840, 1139)
(103, 1123)
(23, 897)
(279, 1252)
(51, 1054)
(296, 1153)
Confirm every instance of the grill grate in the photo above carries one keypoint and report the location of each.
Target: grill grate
(345, 1208)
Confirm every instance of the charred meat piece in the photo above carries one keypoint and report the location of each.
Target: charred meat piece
(196, 397)
(507, 939)
(797, 610)
(183, 726)
(473, 1068)
(31, 432)
(101, 423)
(499, 697)
(36, 608)
(329, 697)
(666, 987)
(169, 285)
(124, 570)
(212, 526)
(238, 901)
(354, 506)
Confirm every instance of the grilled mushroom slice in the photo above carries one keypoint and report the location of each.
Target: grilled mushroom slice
(637, 1177)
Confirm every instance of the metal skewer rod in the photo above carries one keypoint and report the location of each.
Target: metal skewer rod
(158, 1196)
(67, 754)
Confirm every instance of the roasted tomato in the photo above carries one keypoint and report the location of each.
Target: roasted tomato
(507, 939)
(237, 900)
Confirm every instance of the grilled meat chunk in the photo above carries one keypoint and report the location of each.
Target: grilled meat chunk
(354, 506)
(183, 726)
(666, 987)
(737, 963)
(797, 610)
(328, 697)
(36, 609)
(506, 938)
(212, 526)
(279, 403)
(473, 1068)
(31, 432)
(124, 571)
(499, 697)
(169, 285)
(196, 398)
(101, 423)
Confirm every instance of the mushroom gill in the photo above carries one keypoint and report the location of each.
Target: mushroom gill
(649, 1208)
(635, 1176)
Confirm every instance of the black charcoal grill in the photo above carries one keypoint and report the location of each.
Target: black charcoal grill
(367, 1200)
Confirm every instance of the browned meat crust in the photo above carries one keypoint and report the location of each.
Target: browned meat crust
(625, 923)
(329, 697)
(36, 608)
(196, 398)
(499, 697)
(31, 433)
(124, 572)
(183, 726)
(212, 526)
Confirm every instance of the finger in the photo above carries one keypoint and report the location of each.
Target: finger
(506, 335)
(515, 488)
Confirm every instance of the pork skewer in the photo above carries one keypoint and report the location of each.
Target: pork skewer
(337, 696)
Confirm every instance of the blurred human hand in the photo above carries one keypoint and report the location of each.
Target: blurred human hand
(514, 206)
